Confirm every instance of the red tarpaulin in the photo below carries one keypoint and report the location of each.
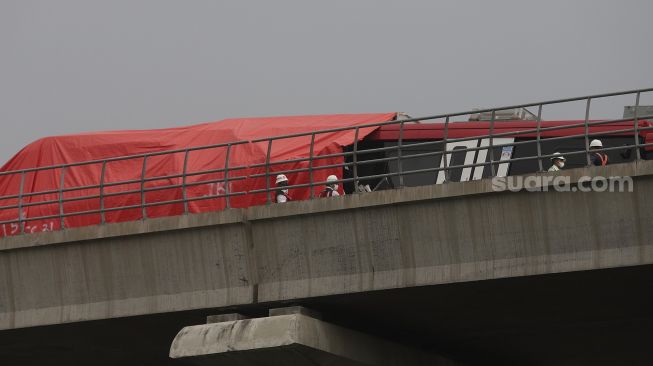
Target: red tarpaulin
(102, 145)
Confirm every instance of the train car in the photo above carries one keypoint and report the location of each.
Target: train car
(516, 144)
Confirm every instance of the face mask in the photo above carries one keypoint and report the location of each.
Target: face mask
(334, 187)
(561, 164)
(285, 191)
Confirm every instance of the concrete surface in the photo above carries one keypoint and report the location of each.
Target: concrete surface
(290, 340)
(225, 318)
(419, 236)
(290, 310)
(596, 317)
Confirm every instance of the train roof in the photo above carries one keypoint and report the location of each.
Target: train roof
(523, 129)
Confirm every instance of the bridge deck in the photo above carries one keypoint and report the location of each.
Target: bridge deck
(390, 239)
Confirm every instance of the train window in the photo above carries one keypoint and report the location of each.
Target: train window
(499, 153)
(416, 163)
(366, 169)
(457, 158)
(565, 147)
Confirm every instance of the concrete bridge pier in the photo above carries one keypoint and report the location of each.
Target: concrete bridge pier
(290, 336)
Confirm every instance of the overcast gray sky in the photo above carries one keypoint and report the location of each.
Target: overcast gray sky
(69, 66)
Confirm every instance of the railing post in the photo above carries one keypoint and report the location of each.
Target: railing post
(638, 155)
(102, 174)
(587, 131)
(445, 137)
(539, 138)
(143, 172)
(226, 176)
(491, 146)
(267, 171)
(21, 223)
(400, 167)
(310, 165)
(61, 186)
(354, 158)
(184, 172)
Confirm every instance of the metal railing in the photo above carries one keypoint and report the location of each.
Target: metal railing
(350, 159)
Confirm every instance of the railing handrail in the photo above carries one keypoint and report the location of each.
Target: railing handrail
(300, 134)
(24, 200)
(124, 157)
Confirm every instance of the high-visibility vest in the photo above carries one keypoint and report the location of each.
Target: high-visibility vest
(328, 192)
(604, 158)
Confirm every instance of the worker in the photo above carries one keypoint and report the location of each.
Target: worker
(282, 193)
(557, 162)
(331, 187)
(597, 158)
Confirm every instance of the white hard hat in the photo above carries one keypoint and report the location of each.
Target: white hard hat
(281, 178)
(331, 178)
(557, 155)
(596, 143)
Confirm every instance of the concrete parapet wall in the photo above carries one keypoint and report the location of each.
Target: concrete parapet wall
(409, 237)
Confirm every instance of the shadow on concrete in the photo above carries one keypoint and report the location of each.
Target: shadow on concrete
(600, 317)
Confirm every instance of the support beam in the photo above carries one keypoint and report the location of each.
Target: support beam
(225, 318)
(295, 310)
(294, 339)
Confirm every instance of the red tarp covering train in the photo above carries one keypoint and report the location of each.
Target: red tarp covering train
(52, 151)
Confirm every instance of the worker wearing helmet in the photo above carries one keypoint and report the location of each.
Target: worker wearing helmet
(597, 158)
(331, 188)
(557, 162)
(282, 193)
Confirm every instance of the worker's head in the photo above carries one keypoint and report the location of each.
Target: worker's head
(596, 144)
(558, 160)
(281, 182)
(332, 182)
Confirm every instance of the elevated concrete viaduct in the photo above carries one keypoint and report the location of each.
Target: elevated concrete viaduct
(456, 270)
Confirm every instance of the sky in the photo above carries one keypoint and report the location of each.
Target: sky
(70, 66)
